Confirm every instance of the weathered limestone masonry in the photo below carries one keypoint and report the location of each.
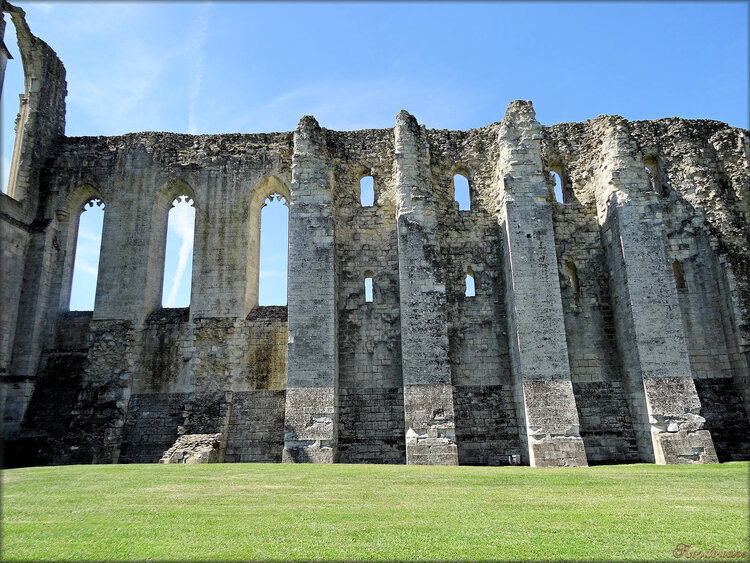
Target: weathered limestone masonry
(544, 392)
(310, 432)
(655, 361)
(428, 396)
(41, 120)
(612, 326)
(194, 448)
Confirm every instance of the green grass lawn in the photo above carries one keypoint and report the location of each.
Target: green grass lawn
(282, 512)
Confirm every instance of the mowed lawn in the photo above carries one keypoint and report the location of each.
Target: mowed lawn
(367, 512)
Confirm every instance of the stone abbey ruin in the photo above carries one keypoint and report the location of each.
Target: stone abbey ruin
(612, 326)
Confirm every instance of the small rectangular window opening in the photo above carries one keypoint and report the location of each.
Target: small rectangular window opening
(558, 187)
(470, 286)
(461, 192)
(368, 287)
(367, 191)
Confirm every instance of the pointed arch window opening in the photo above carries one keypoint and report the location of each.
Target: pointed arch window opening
(275, 197)
(274, 250)
(87, 253)
(367, 191)
(178, 254)
(470, 283)
(461, 192)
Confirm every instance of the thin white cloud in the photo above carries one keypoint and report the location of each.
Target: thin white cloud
(86, 268)
(182, 221)
(196, 43)
(88, 235)
(357, 105)
(272, 274)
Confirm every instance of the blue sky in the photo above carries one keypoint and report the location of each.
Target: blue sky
(255, 67)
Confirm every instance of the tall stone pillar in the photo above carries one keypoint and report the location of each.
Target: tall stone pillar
(428, 393)
(664, 404)
(310, 424)
(538, 350)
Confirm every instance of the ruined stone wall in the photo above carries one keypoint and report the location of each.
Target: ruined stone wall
(90, 406)
(691, 275)
(214, 376)
(591, 338)
(553, 384)
(701, 170)
(486, 424)
(371, 404)
(40, 123)
(611, 326)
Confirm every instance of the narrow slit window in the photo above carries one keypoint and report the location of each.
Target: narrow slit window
(651, 166)
(679, 275)
(573, 276)
(461, 192)
(178, 256)
(274, 251)
(470, 284)
(367, 191)
(558, 187)
(650, 177)
(87, 250)
(368, 287)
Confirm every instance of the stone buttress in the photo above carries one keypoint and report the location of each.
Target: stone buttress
(428, 394)
(310, 426)
(664, 404)
(539, 359)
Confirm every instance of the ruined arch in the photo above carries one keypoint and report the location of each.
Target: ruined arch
(19, 125)
(158, 238)
(172, 189)
(267, 186)
(41, 117)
